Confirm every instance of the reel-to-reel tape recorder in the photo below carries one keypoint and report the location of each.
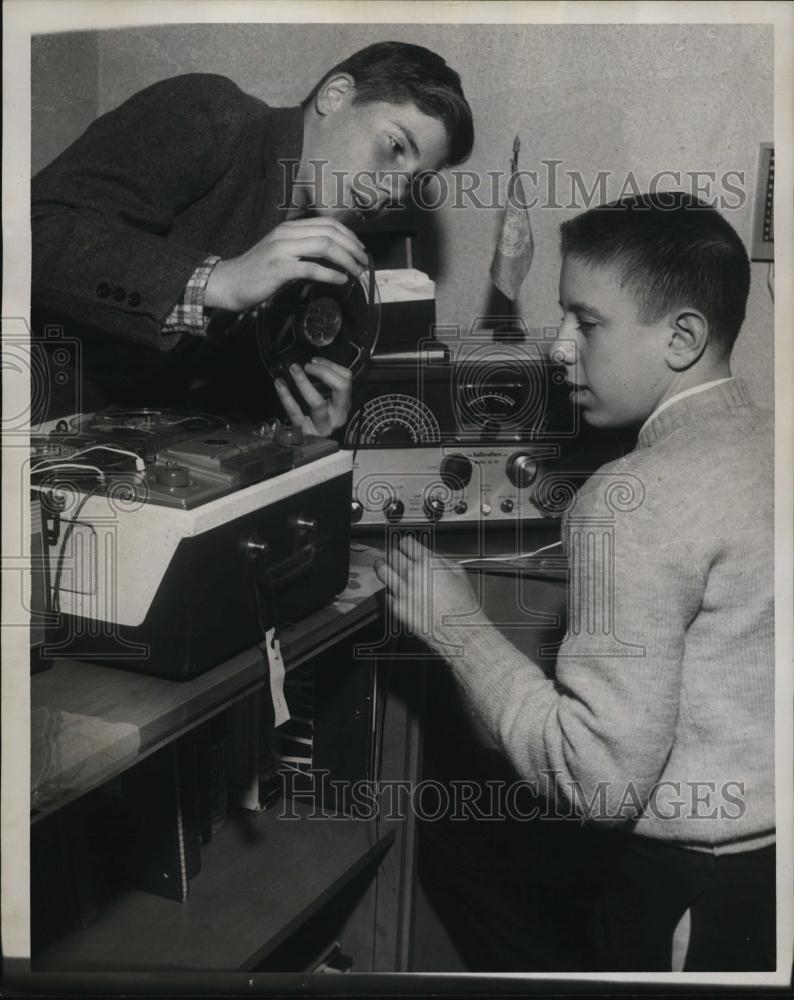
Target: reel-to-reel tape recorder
(178, 539)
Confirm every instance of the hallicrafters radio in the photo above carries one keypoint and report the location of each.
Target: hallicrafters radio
(460, 443)
(177, 539)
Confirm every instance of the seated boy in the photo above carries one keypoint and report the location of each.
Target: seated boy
(658, 727)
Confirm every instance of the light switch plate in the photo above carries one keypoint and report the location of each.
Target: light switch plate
(763, 217)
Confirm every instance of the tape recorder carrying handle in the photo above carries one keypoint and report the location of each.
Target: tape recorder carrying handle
(290, 567)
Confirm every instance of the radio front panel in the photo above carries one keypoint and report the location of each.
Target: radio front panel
(451, 485)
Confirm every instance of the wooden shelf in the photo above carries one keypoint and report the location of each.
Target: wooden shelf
(89, 722)
(261, 878)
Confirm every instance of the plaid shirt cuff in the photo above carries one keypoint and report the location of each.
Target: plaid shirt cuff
(188, 315)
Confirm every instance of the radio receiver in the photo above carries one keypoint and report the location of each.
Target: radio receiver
(456, 443)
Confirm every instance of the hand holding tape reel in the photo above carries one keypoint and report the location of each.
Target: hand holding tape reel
(316, 340)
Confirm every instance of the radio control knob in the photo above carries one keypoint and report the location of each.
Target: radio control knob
(394, 511)
(172, 475)
(461, 507)
(434, 507)
(521, 469)
(455, 471)
(356, 511)
(507, 506)
(485, 509)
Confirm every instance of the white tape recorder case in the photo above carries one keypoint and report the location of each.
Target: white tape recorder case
(178, 539)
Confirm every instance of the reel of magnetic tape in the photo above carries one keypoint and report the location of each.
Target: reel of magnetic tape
(305, 319)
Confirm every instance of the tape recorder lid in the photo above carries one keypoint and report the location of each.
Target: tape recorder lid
(172, 458)
(149, 429)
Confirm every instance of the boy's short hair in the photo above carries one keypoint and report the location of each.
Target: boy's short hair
(672, 250)
(400, 73)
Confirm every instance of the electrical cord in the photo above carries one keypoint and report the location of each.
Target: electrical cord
(57, 466)
(140, 465)
(56, 587)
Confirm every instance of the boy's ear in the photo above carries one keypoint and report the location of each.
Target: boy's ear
(688, 337)
(334, 93)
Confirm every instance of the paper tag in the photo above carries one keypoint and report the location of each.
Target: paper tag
(273, 650)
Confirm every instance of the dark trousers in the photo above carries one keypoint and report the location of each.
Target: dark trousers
(513, 895)
(553, 896)
(649, 887)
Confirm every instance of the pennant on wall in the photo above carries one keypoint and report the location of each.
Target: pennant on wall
(514, 249)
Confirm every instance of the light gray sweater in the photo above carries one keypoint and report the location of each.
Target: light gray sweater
(661, 713)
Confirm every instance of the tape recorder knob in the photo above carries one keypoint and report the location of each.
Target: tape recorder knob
(455, 471)
(287, 436)
(172, 475)
(521, 469)
(356, 511)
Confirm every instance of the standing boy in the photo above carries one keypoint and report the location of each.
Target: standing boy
(658, 727)
(194, 201)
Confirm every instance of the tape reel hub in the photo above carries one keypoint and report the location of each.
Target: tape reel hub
(321, 322)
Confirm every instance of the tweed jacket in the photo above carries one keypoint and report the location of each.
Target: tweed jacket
(188, 167)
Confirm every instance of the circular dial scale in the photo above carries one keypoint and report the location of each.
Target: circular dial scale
(492, 404)
(500, 395)
(394, 419)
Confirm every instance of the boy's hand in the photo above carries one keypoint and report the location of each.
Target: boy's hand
(423, 588)
(325, 415)
(241, 282)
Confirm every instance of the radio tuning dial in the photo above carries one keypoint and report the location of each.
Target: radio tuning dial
(434, 507)
(455, 471)
(521, 469)
(394, 511)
